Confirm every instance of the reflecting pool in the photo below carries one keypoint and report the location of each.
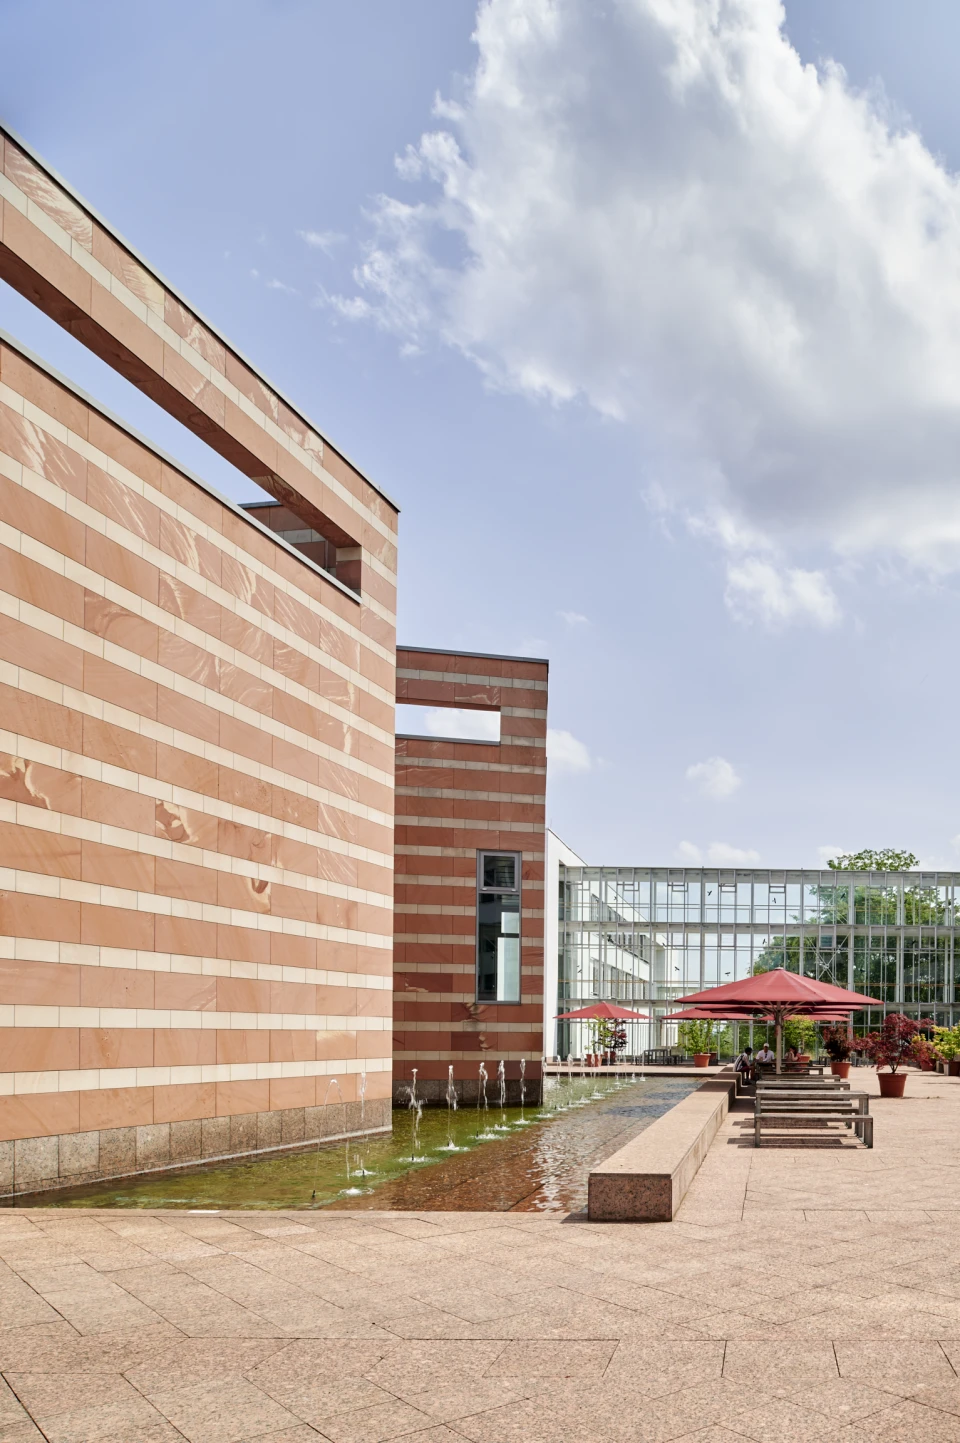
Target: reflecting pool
(499, 1160)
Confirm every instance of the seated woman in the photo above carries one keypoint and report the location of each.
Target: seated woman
(792, 1060)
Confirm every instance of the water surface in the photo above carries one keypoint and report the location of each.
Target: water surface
(507, 1160)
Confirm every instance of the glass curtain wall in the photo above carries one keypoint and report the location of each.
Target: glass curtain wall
(645, 936)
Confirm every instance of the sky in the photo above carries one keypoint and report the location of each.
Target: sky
(645, 312)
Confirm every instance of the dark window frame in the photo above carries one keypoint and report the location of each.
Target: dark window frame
(494, 902)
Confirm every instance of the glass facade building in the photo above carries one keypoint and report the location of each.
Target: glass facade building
(644, 936)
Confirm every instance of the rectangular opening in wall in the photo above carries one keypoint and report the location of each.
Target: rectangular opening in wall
(455, 723)
(498, 926)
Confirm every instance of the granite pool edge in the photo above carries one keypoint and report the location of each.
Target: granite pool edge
(647, 1179)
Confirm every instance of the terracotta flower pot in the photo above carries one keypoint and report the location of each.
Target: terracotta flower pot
(840, 1069)
(926, 1065)
(892, 1083)
(701, 1059)
(953, 1067)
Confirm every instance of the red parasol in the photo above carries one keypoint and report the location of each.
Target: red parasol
(604, 1012)
(780, 994)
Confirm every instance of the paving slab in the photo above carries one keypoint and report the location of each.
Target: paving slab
(799, 1294)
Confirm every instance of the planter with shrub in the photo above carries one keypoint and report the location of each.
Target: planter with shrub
(897, 1043)
(836, 1042)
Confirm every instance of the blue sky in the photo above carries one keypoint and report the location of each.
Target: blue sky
(737, 548)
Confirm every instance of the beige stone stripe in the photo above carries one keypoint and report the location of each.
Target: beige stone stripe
(74, 764)
(65, 824)
(467, 679)
(451, 793)
(173, 625)
(93, 645)
(12, 193)
(38, 884)
(470, 824)
(403, 760)
(93, 1079)
(458, 852)
(35, 481)
(87, 705)
(448, 909)
(17, 1014)
(80, 954)
(65, 566)
(419, 879)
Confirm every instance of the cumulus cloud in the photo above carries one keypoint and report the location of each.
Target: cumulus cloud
(322, 240)
(655, 206)
(574, 618)
(466, 723)
(717, 854)
(715, 778)
(566, 754)
(462, 722)
(757, 590)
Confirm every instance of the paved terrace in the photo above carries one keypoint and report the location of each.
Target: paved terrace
(801, 1295)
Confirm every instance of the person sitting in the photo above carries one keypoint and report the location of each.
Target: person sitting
(792, 1060)
(766, 1057)
(744, 1064)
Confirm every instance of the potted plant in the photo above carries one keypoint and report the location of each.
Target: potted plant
(800, 1033)
(896, 1044)
(697, 1037)
(836, 1040)
(947, 1042)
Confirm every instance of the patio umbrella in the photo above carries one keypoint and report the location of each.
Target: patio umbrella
(780, 994)
(604, 1012)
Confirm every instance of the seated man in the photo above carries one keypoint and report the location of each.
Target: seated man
(744, 1064)
(766, 1057)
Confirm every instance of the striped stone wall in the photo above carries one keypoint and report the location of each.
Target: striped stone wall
(196, 744)
(453, 799)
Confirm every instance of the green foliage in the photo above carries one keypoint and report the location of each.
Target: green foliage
(801, 1033)
(608, 1035)
(946, 1040)
(697, 1036)
(887, 859)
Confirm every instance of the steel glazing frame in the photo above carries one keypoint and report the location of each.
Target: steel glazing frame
(644, 936)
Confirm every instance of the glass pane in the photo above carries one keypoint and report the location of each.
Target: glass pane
(500, 870)
(508, 969)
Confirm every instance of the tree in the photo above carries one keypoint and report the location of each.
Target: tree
(897, 1042)
(886, 859)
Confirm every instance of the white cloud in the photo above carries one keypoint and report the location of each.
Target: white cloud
(715, 778)
(574, 618)
(757, 591)
(463, 722)
(825, 854)
(717, 854)
(322, 240)
(566, 754)
(655, 206)
(275, 285)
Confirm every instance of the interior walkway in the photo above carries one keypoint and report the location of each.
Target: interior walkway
(800, 1295)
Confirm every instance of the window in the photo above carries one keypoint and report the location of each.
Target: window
(498, 927)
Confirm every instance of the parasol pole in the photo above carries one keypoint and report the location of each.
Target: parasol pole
(778, 1026)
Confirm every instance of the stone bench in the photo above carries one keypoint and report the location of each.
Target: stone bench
(647, 1179)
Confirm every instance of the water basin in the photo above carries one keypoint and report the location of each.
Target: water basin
(542, 1166)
